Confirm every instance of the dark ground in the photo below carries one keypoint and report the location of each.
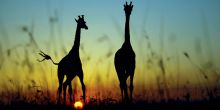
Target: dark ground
(141, 105)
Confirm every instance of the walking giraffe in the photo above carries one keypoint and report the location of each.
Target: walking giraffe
(125, 58)
(70, 65)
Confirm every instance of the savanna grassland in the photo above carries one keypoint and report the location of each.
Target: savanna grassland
(171, 72)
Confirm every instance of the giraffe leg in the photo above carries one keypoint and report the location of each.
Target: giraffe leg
(60, 78)
(83, 85)
(125, 90)
(121, 87)
(70, 92)
(59, 92)
(64, 92)
(68, 81)
(131, 87)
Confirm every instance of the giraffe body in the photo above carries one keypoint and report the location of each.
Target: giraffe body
(125, 59)
(70, 65)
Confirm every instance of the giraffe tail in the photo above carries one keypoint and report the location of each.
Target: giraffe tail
(46, 57)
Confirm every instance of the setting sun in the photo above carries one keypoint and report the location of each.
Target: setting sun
(109, 54)
(78, 105)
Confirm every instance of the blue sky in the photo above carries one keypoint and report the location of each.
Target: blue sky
(181, 18)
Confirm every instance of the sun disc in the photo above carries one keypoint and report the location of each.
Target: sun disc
(78, 105)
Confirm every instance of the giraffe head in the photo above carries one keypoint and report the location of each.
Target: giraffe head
(128, 8)
(81, 23)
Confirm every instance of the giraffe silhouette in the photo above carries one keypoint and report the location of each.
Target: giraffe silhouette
(125, 58)
(70, 65)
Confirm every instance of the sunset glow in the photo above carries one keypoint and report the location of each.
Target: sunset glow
(176, 44)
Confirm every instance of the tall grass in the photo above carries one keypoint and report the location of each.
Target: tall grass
(27, 81)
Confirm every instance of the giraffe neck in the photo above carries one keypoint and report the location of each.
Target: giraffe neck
(127, 30)
(77, 39)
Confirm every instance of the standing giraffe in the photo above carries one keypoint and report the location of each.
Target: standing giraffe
(125, 58)
(70, 65)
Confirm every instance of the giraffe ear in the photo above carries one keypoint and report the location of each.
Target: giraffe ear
(76, 20)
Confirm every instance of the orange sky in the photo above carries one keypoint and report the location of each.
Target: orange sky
(151, 23)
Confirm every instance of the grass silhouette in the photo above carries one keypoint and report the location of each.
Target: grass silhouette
(30, 88)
